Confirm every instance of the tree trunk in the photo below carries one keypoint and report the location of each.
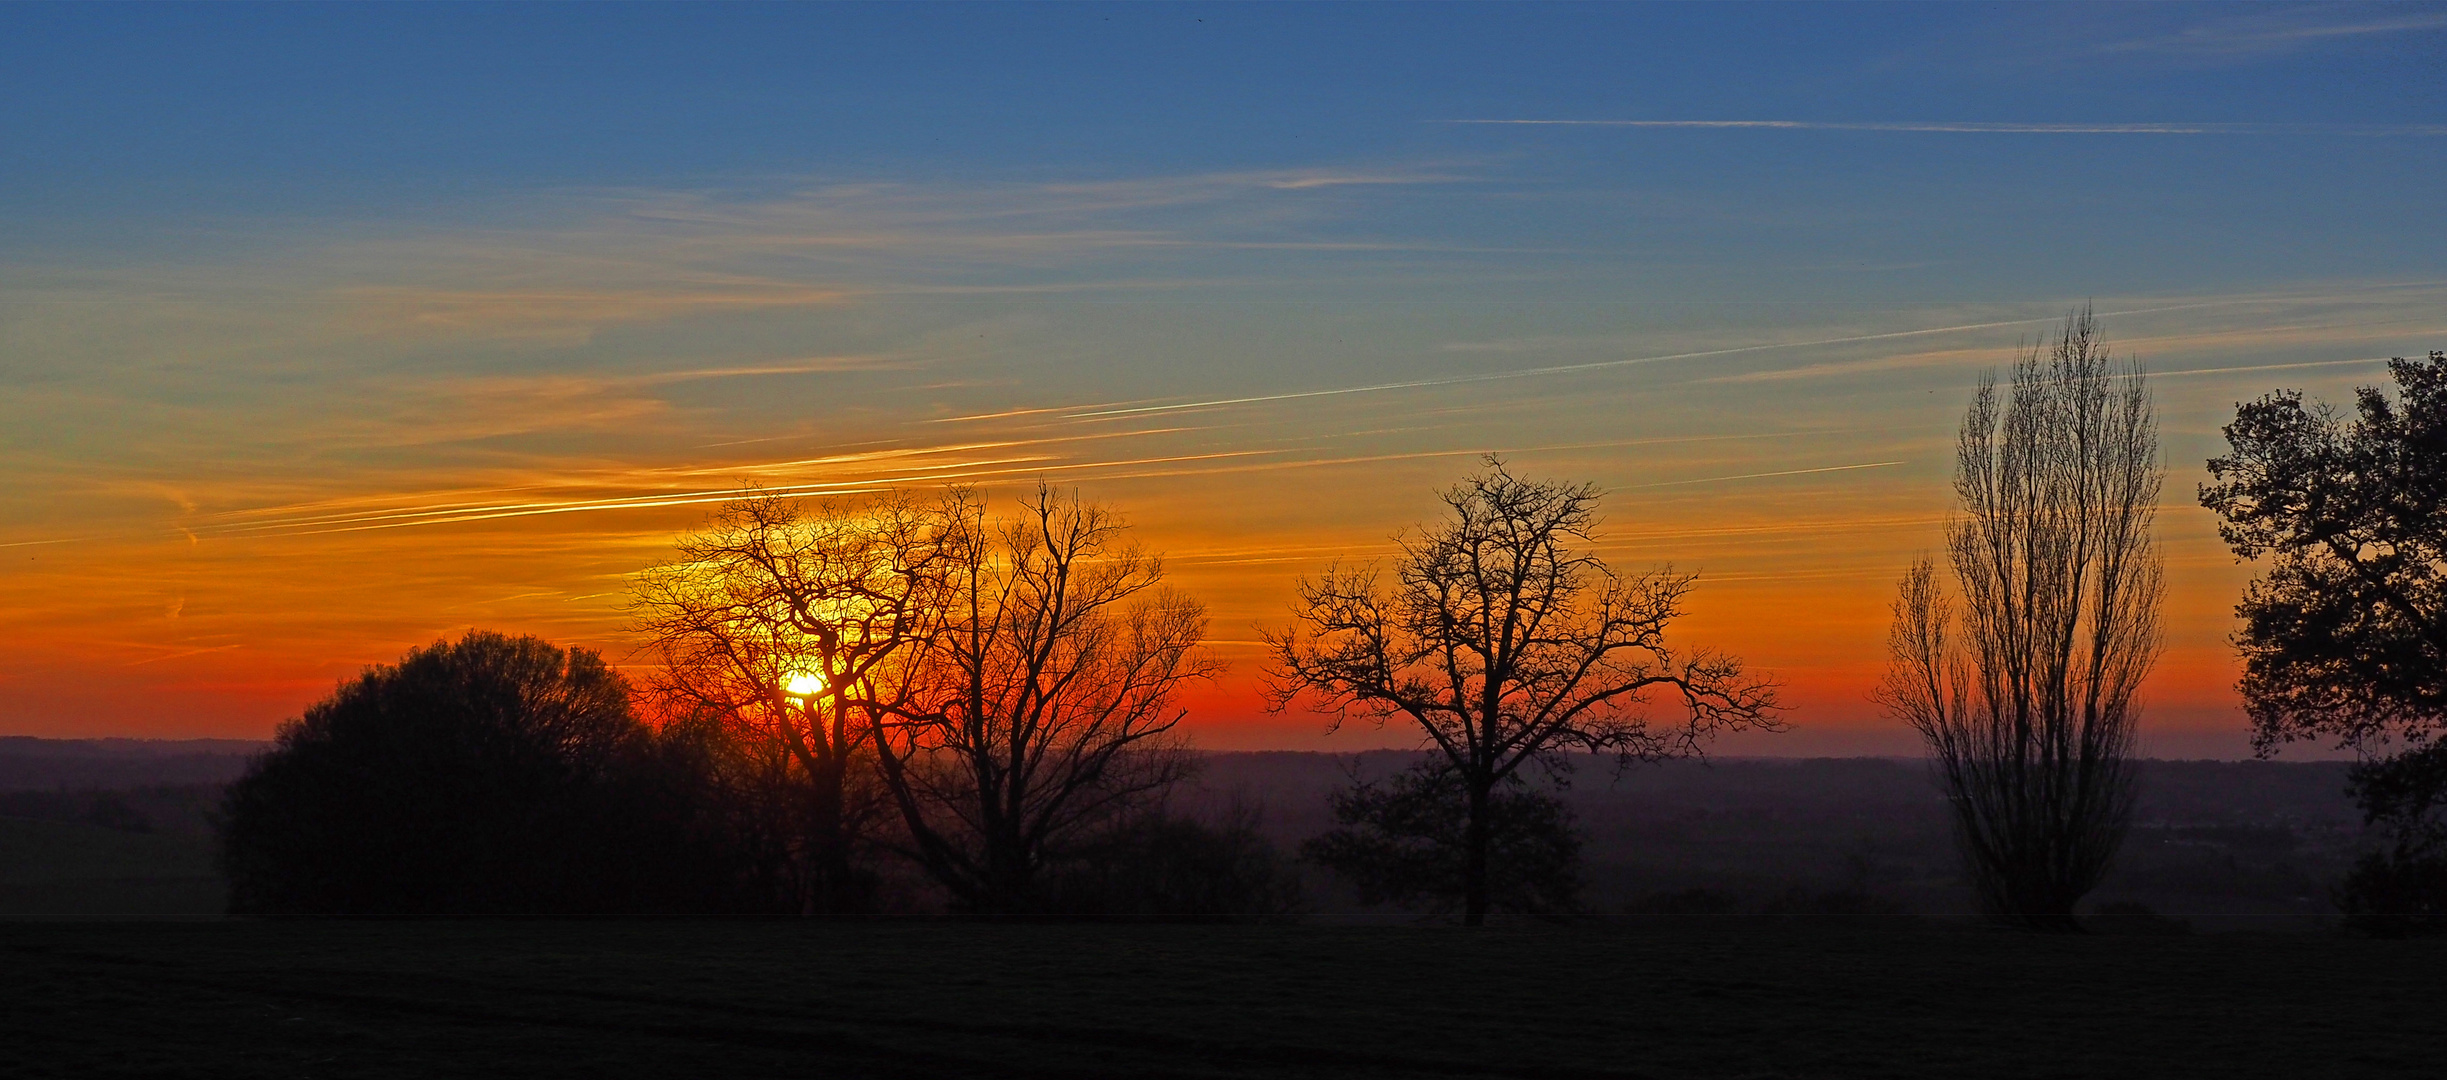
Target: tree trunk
(1474, 858)
(828, 838)
(1010, 887)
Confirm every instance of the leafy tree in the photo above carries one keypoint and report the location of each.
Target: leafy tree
(2029, 700)
(2402, 888)
(2345, 635)
(1406, 842)
(487, 774)
(1508, 645)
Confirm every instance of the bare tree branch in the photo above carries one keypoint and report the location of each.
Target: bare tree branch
(1040, 701)
(1506, 645)
(2027, 692)
(770, 617)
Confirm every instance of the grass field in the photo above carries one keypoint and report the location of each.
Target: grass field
(55, 867)
(1690, 997)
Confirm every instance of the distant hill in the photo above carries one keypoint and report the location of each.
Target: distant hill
(113, 826)
(2210, 837)
(31, 764)
(2234, 837)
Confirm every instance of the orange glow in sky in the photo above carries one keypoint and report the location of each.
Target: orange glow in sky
(208, 569)
(326, 334)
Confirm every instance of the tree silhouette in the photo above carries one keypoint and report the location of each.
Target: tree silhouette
(1039, 706)
(1405, 842)
(1153, 862)
(487, 774)
(1507, 646)
(768, 622)
(2030, 708)
(2345, 635)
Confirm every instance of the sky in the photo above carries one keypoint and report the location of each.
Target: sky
(328, 331)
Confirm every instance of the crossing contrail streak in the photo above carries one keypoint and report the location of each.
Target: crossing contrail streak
(461, 513)
(1600, 365)
(1763, 475)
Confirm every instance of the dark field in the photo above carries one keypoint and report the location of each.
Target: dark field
(1671, 997)
(123, 827)
(86, 830)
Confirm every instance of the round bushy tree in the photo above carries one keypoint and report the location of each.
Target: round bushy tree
(487, 774)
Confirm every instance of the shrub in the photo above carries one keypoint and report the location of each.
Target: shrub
(1402, 843)
(2397, 893)
(1160, 864)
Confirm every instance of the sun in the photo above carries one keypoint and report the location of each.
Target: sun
(803, 684)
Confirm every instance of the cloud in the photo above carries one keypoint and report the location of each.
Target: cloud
(569, 314)
(585, 261)
(2266, 34)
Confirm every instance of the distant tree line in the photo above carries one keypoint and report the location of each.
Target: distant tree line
(907, 701)
(851, 697)
(843, 691)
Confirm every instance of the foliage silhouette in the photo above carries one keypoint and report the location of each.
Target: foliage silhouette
(2345, 635)
(1162, 864)
(1507, 645)
(2031, 710)
(2400, 890)
(487, 774)
(1405, 842)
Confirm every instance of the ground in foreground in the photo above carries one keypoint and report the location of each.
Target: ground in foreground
(1690, 997)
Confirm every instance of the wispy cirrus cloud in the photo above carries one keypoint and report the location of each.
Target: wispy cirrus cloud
(2272, 32)
(628, 257)
(569, 313)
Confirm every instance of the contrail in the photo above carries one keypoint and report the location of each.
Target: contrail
(1762, 475)
(2268, 367)
(460, 513)
(1598, 365)
(180, 655)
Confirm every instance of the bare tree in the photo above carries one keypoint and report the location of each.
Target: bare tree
(2026, 689)
(1506, 645)
(1040, 704)
(772, 615)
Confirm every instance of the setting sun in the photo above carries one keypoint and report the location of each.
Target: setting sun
(803, 684)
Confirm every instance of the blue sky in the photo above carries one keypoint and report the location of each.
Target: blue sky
(167, 113)
(269, 274)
